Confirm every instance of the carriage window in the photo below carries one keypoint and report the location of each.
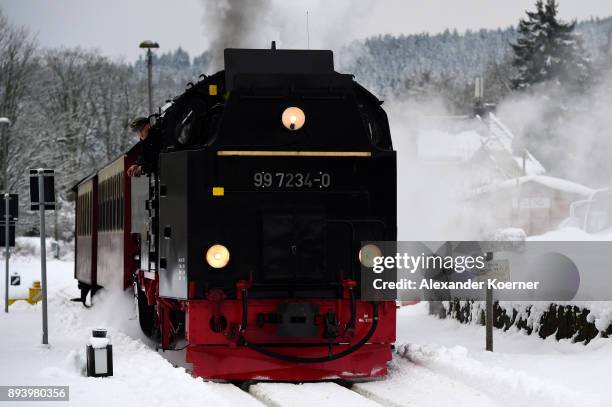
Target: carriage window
(82, 212)
(107, 192)
(117, 227)
(116, 202)
(104, 206)
(109, 209)
(80, 215)
(89, 212)
(101, 206)
(79, 208)
(111, 203)
(85, 213)
(98, 206)
(120, 201)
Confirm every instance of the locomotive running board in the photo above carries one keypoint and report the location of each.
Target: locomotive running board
(252, 153)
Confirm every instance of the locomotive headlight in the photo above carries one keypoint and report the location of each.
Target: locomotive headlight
(293, 118)
(217, 256)
(368, 253)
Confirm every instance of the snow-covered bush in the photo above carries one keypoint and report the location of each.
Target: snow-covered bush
(580, 322)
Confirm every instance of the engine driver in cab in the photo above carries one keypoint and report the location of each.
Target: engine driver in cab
(150, 146)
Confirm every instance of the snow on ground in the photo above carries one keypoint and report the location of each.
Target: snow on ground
(444, 363)
(141, 375)
(523, 370)
(410, 384)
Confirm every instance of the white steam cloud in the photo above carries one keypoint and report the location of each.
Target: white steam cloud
(256, 23)
(582, 145)
(431, 204)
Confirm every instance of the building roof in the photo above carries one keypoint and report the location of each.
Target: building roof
(501, 138)
(558, 184)
(460, 138)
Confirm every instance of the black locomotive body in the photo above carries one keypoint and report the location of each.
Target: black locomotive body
(250, 231)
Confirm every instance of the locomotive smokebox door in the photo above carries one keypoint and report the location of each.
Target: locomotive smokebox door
(173, 264)
(294, 245)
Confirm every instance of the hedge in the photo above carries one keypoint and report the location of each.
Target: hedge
(566, 321)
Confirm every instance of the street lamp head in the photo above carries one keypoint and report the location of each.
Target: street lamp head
(4, 120)
(149, 44)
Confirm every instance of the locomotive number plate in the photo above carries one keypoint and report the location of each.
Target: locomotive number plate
(305, 180)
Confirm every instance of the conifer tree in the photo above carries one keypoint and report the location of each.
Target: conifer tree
(548, 50)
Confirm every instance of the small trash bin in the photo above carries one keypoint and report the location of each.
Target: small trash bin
(99, 354)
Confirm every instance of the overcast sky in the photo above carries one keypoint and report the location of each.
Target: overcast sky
(116, 27)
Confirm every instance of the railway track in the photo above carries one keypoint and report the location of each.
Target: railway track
(308, 394)
(408, 384)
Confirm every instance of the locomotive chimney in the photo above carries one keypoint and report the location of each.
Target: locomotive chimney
(273, 45)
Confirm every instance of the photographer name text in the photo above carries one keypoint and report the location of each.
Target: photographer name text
(430, 284)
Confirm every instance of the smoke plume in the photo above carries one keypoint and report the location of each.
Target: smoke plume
(255, 23)
(233, 24)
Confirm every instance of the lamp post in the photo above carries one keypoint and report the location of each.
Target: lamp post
(148, 45)
(7, 251)
(4, 125)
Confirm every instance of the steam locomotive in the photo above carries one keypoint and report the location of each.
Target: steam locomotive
(244, 246)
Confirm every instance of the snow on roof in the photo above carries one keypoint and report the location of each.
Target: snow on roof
(550, 182)
(445, 145)
(504, 138)
(459, 138)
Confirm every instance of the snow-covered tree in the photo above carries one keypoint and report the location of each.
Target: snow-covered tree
(17, 47)
(548, 50)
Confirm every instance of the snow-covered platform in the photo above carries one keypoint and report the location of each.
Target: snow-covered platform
(439, 362)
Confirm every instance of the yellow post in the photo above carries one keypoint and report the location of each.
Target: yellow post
(35, 293)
